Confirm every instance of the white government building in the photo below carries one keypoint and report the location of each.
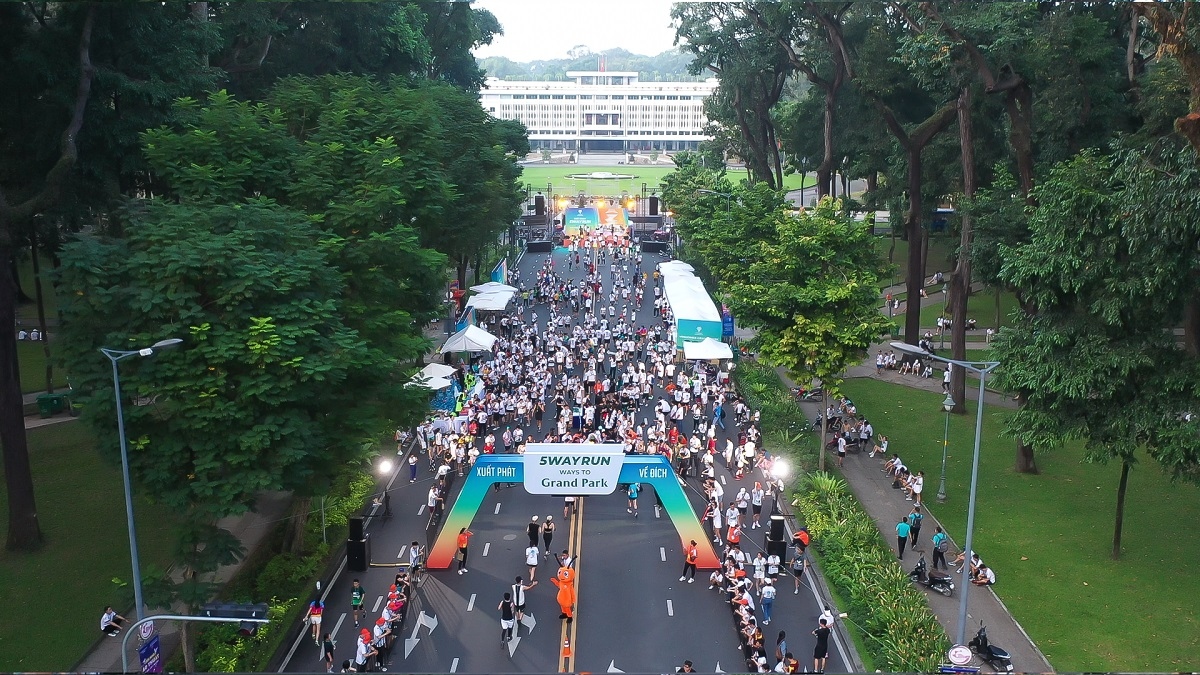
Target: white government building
(603, 111)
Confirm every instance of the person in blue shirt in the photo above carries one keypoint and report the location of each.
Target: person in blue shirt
(902, 531)
(634, 489)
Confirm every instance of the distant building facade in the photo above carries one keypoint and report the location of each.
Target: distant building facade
(599, 111)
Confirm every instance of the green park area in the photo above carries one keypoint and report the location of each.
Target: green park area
(85, 559)
(1049, 536)
(540, 176)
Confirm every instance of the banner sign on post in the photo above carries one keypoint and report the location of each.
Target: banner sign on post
(150, 654)
(726, 324)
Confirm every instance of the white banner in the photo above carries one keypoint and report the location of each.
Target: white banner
(572, 468)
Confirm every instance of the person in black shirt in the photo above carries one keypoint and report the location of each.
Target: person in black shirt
(533, 530)
(507, 618)
(821, 651)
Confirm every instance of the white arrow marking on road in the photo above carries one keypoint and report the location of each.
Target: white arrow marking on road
(410, 643)
(377, 603)
(670, 609)
(423, 619)
(512, 646)
(454, 666)
(497, 508)
(486, 548)
(471, 603)
(337, 625)
(529, 622)
(718, 670)
(422, 509)
(662, 553)
(612, 667)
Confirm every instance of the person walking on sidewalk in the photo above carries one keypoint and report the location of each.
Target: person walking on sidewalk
(821, 650)
(941, 544)
(756, 504)
(327, 645)
(767, 597)
(690, 555)
(915, 517)
(902, 531)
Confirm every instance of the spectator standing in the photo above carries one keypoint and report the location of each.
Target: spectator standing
(821, 650)
(767, 596)
(690, 555)
(915, 518)
(941, 544)
(464, 539)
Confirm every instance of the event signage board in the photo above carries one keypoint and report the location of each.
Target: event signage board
(572, 468)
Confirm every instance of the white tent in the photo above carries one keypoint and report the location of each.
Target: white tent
(434, 383)
(469, 339)
(490, 302)
(493, 287)
(707, 350)
(437, 370)
(675, 266)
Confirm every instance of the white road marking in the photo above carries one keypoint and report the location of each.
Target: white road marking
(497, 508)
(337, 625)
(470, 605)
(421, 510)
(401, 553)
(662, 553)
(723, 480)
(454, 666)
(670, 609)
(486, 548)
(378, 601)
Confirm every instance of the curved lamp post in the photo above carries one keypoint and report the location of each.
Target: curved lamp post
(116, 355)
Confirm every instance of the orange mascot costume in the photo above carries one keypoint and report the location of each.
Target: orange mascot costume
(565, 580)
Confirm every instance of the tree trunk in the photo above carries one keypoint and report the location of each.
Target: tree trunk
(41, 309)
(998, 316)
(1119, 523)
(825, 172)
(187, 644)
(24, 531)
(1019, 104)
(1026, 461)
(14, 269)
(293, 540)
(960, 278)
(824, 429)
(1191, 325)
(915, 278)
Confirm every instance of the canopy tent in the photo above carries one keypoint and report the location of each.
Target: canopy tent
(434, 383)
(490, 302)
(696, 317)
(437, 370)
(707, 350)
(675, 266)
(469, 339)
(493, 287)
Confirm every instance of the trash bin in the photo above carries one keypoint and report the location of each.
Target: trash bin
(51, 404)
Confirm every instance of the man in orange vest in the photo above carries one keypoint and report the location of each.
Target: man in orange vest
(690, 554)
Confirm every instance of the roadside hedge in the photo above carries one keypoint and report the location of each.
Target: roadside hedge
(902, 632)
(784, 426)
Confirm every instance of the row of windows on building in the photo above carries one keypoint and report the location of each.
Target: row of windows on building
(624, 132)
(596, 97)
(517, 107)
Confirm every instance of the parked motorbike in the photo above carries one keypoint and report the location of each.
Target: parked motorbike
(802, 394)
(995, 656)
(939, 581)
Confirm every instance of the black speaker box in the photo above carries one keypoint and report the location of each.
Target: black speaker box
(358, 554)
(356, 528)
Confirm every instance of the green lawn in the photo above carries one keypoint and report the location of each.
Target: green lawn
(941, 252)
(540, 176)
(981, 306)
(32, 361)
(55, 596)
(1049, 538)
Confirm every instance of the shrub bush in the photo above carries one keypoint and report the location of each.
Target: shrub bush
(783, 424)
(903, 634)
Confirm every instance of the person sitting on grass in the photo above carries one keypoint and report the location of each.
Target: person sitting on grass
(984, 576)
(111, 623)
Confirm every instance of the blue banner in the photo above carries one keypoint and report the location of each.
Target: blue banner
(500, 274)
(151, 656)
(727, 324)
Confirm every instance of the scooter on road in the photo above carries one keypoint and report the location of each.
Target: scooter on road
(939, 581)
(995, 656)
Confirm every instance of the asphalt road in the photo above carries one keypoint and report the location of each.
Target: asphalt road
(632, 612)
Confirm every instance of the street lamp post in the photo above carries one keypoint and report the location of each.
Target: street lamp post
(115, 355)
(982, 368)
(947, 405)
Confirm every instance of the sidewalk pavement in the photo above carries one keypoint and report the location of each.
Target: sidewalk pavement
(886, 506)
(250, 528)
